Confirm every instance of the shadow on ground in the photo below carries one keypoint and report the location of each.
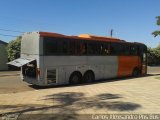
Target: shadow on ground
(69, 104)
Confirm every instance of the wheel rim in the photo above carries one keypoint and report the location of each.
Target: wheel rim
(135, 73)
(88, 77)
(75, 79)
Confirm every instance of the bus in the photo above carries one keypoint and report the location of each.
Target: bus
(55, 59)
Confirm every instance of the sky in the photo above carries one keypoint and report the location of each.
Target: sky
(131, 20)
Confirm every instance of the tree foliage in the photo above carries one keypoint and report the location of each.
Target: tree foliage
(13, 48)
(157, 32)
(158, 20)
(154, 55)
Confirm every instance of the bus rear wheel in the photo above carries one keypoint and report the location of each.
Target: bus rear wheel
(88, 77)
(75, 78)
(136, 72)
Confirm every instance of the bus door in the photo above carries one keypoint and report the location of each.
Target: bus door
(143, 55)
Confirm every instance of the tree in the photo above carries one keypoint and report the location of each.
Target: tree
(13, 48)
(154, 56)
(157, 32)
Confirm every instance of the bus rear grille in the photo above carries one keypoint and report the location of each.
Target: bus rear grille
(51, 76)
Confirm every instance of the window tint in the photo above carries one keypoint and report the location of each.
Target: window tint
(93, 48)
(71, 47)
(133, 50)
(62, 46)
(116, 49)
(50, 46)
(142, 49)
(98, 48)
(83, 48)
(126, 49)
(104, 48)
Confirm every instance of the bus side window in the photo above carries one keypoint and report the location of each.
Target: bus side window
(126, 49)
(50, 46)
(83, 48)
(102, 49)
(105, 49)
(133, 50)
(64, 47)
(97, 48)
(142, 49)
(78, 47)
(91, 48)
(72, 47)
(116, 49)
(112, 49)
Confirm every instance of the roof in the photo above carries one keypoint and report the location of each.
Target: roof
(103, 38)
(2, 42)
(95, 36)
(82, 36)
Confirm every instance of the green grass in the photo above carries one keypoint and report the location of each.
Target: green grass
(158, 78)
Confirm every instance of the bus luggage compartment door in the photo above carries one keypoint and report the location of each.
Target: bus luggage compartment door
(51, 76)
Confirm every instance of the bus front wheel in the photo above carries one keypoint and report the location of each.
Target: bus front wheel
(75, 78)
(136, 72)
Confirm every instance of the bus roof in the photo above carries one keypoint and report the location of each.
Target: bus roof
(95, 36)
(81, 36)
(85, 37)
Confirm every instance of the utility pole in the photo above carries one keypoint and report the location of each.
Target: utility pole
(111, 33)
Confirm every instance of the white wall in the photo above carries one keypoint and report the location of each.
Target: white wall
(3, 58)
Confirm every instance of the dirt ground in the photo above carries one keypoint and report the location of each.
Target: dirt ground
(13, 84)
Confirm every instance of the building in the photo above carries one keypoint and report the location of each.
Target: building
(3, 56)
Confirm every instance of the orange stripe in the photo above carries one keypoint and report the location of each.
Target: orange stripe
(126, 65)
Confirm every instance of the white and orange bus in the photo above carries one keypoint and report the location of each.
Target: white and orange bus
(55, 59)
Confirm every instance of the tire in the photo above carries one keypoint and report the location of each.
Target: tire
(136, 72)
(75, 78)
(88, 77)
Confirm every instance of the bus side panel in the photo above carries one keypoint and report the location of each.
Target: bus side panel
(104, 67)
(126, 65)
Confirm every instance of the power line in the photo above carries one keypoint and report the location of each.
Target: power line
(8, 35)
(33, 23)
(11, 30)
